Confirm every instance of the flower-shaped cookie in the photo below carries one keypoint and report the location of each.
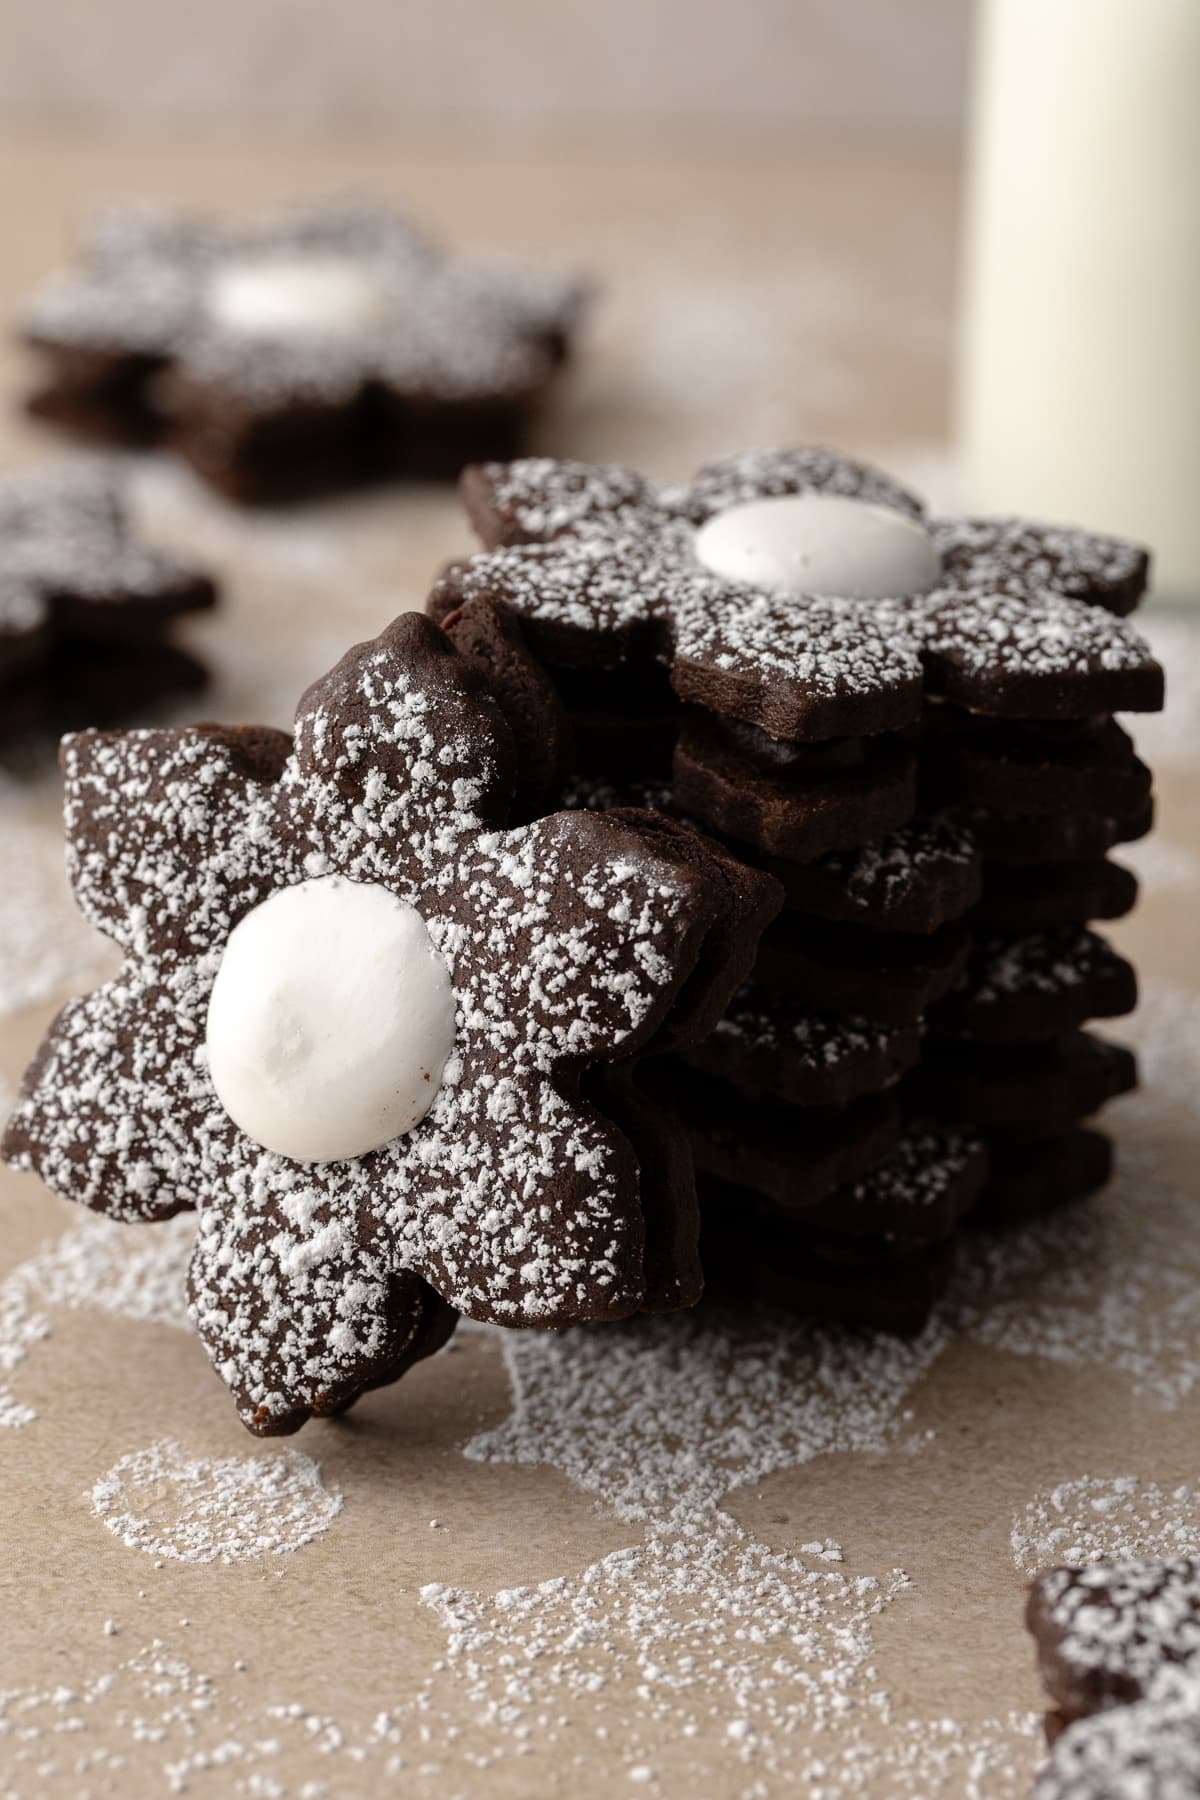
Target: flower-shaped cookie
(83, 604)
(804, 593)
(353, 1021)
(328, 343)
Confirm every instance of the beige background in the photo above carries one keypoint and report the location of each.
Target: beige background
(524, 64)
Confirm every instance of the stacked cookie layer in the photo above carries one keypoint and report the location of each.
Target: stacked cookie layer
(910, 725)
(803, 1119)
(1009, 1049)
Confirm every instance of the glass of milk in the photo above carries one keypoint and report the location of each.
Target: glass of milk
(1079, 376)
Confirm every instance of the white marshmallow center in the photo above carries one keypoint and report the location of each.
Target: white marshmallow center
(330, 1020)
(820, 544)
(292, 296)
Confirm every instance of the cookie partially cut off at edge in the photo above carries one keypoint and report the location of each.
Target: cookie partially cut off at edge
(1106, 1633)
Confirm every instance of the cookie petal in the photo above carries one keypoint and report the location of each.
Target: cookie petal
(798, 667)
(764, 474)
(1018, 556)
(103, 1112)
(1020, 656)
(517, 1202)
(167, 839)
(299, 1308)
(583, 602)
(570, 939)
(400, 752)
(539, 498)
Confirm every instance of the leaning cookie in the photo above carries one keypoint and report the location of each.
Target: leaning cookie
(354, 1022)
(325, 345)
(85, 606)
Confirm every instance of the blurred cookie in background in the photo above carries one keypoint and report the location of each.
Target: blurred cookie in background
(86, 608)
(324, 346)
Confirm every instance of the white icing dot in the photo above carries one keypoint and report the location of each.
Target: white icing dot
(295, 296)
(820, 544)
(330, 1020)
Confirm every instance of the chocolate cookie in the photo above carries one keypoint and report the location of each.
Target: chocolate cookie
(330, 344)
(757, 1145)
(85, 605)
(1034, 772)
(916, 1197)
(1039, 1085)
(1026, 842)
(354, 1021)
(889, 976)
(916, 878)
(767, 1049)
(1020, 898)
(1031, 1175)
(801, 592)
(1104, 1634)
(1151, 1748)
(789, 813)
(1019, 989)
(1117, 1646)
(876, 1252)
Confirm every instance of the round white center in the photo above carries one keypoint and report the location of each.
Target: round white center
(330, 1020)
(295, 296)
(820, 544)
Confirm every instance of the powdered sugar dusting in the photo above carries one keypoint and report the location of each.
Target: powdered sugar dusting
(134, 1272)
(1106, 1519)
(716, 1641)
(203, 1509)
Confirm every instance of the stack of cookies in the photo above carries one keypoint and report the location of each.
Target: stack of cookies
(909, 723)
(1008, 1050)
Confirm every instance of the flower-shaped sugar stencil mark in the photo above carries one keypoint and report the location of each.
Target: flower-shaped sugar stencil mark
(804, 593)
(353, 1021)
(85, 606)
(326, 344)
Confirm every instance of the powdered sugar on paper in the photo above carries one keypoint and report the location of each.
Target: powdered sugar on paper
(203, 1509)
